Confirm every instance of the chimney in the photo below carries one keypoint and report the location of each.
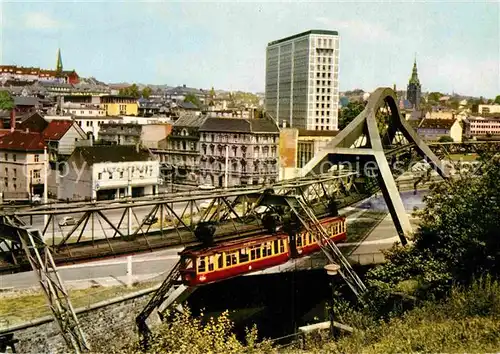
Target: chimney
(12, 120)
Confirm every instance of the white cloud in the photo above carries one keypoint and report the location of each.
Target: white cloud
(361, 30)
(465, 75)
(41, 20)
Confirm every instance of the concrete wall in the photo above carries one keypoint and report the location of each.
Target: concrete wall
(77, 181)
(103, 323)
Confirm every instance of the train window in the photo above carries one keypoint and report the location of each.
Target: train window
(244, 255)
(299, 240)
(211, 263)
(309, 236)
(266, 249)
(231, 258)
(282, 246)
(220, 260)
(255, 252)
(275, 247)
(201, 265)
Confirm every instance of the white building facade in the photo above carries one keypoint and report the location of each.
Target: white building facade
(103, 172)
(302, 88)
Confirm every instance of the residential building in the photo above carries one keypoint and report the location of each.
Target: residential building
(110, 172)
(119, 105)
(182, 149)
(149, 108)
(83, 109)
(485, 109)
(91, 126)
(26, 104)
(441, 114)
(478, 127)
(22, 162)
(238, 152)
(121, 133)
(302, 87)
(414, 89)
(61, 137)
(433, 129)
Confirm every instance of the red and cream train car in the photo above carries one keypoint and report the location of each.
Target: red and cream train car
(233, 258)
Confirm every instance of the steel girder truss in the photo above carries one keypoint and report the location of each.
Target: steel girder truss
(42, 263)
(376, 140)
(104, 229)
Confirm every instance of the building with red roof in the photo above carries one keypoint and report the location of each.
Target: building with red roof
(21, 158)
(61, 136)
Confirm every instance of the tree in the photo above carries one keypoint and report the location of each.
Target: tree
(349, 112)
(497, 100)
(146, 92)
(6, 101)
(132, 91)
(193, 99)
(456, 242)
(434, 97)
(445, 139)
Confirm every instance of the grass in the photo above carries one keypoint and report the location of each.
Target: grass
(25, 306)
(463, 157)
(467, 321)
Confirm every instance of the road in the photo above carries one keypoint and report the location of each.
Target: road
(107, 272)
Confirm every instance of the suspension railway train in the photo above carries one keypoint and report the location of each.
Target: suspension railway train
(202, 265)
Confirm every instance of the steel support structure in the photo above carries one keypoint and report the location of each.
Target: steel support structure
(378, 134)
(44, 267)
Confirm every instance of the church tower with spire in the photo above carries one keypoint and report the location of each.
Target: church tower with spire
(59, 64)
(414, 92)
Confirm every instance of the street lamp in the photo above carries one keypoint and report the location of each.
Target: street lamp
(332, 270)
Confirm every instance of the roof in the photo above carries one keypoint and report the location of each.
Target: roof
(189, 119)
(187, 105)
(22, 141)
(334, 33)
(56, 129)
(239, 125)
(437, 123)
(25, 101)
(34, 123)
(114, 153)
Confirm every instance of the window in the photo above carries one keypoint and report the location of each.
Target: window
(121, 174)
(14, 157)
(111, 175)
(244, 256)
(99, 175)
(15, 172)
(201, 265)
(6, 171)
(36, 173)
(6, 157)
(282, 245)
(255, 252)
(231, 259)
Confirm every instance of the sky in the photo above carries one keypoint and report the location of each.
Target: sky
(223, 44)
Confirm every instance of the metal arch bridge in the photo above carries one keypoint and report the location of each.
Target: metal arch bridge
(378, 143)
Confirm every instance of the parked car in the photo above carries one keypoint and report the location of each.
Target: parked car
(67, 221)
(151, 220)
